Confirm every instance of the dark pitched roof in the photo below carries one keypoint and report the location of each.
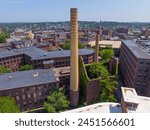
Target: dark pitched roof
(36, 53)
(27, 78)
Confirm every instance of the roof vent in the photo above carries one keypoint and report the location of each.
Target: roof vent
(10, 77)
(36, 74)
(45, 54)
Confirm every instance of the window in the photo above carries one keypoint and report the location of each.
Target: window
(17, 98)
(34, 95)
(29, 95)
(23, 97)
(30, 102)
(35, 102)
(141, 90)
(144, 84)
(145, 77)
(146, 70)
(141, 62)
(140, 70)
(40, 93)
(22, 90)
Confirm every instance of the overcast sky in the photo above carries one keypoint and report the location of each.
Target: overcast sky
(89, 10)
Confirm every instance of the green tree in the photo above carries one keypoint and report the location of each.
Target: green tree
(106, 54)
(49, 108)
(56, 102)
(4, 70)
(96, 70)
(81, 46)
(25, 67)
(3, 37)
(107, 90)
(8, 105)
(66, 46)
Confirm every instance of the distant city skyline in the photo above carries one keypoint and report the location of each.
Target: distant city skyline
(89, 10)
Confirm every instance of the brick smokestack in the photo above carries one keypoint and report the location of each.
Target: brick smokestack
(97, 46)
(74, 72)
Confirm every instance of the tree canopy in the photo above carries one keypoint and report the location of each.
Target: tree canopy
(107, 90)
(96, 70)
(3, 37)
(4, 70)
(56, 102)
(8, 105)
(25, 67)
(106, 54)
(66, 46)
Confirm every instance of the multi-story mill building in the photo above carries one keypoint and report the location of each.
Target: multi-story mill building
(13, 59)
(29, 88)
(135, 65)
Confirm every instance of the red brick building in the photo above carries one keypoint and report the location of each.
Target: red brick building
(13, 59)
(134, 65)
(29, 88)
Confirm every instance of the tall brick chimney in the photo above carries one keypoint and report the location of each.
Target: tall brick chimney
(97, 46)
(74, 73)
(98, 33)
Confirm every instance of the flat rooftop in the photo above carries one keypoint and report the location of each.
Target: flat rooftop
(36, 53)
(98, 108)
(138, 50)
(105, 43)
(130, 96)
(27, 78)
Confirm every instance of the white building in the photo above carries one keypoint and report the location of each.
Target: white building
(132, 103)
